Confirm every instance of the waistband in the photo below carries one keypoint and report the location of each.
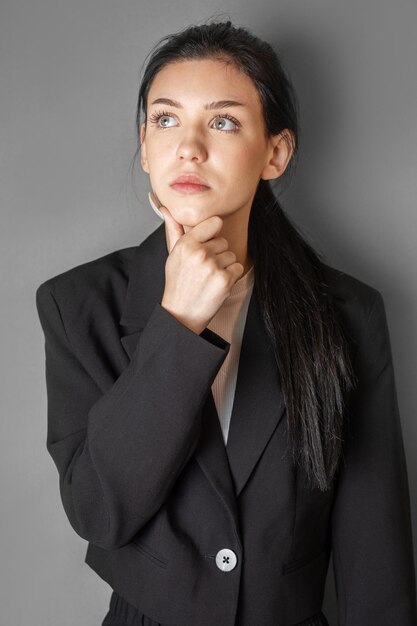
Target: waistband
(121, 613)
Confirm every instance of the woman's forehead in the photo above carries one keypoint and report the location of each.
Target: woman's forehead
(203, 82)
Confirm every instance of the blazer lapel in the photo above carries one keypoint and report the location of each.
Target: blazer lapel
(258, 406)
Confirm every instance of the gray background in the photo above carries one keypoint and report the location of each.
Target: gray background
(69, 75)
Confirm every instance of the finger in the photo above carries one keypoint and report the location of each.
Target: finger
(207, 229)
(236, 269)
(173, 230)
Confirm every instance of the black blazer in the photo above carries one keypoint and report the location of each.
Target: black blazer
(193, 532)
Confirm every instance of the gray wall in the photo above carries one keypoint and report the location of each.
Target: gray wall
(68, 86)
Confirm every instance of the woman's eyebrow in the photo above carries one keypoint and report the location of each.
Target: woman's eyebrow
(220, 104)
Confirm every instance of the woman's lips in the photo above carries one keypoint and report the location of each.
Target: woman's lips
(188, 182)
(189, 187)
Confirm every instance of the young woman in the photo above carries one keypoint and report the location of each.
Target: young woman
(222, 406)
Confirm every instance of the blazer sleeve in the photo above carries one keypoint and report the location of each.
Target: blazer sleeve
(119, 453)
(373, 560)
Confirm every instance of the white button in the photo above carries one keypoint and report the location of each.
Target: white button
(226, 560)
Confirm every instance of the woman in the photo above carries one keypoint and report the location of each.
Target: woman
(222, 407)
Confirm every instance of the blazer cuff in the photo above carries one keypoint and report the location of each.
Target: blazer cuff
(161, 314)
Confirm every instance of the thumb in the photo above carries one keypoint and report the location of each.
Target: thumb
(173, 230)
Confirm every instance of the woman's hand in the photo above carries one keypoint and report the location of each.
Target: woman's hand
(199, 272)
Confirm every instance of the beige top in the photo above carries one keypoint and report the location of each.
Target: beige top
(229, 323)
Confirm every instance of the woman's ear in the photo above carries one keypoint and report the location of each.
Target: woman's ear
(143, 159)
(282, 149)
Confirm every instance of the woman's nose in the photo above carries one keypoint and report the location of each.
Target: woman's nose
(192, 147)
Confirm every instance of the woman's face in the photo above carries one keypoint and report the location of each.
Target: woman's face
(224, 145)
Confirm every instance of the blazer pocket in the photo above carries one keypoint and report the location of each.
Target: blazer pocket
(150, 553)
(302, 561)
(148, 540)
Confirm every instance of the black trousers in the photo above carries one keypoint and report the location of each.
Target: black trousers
(121, 613)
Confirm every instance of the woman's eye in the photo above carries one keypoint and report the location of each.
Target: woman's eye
(154, 119)
(164, 117)
(229, 120)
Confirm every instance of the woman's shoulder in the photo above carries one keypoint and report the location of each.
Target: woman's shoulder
(102, 275)
(352, 294)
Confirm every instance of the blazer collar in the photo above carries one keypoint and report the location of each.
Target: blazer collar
(258, 407)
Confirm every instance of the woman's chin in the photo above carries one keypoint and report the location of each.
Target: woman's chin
(188, 216)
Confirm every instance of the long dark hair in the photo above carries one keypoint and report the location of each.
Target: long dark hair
(300, 317)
